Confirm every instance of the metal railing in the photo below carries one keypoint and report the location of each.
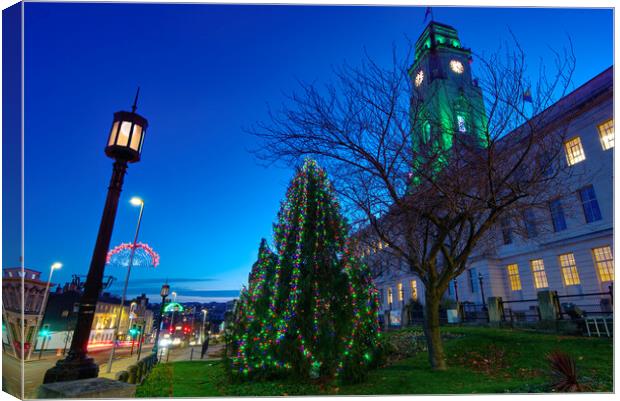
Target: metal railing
(531, 314)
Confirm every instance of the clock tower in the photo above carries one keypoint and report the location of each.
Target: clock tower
(446, 101)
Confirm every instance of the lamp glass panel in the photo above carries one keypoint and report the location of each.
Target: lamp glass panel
(113, 133)
(136, 138)
(123, 134)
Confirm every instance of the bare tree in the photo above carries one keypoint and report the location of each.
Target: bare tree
(429, 192)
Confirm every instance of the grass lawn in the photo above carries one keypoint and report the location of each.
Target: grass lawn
(481, 360)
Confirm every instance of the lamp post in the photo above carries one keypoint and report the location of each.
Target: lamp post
(484, 303)
(165, 290)
(456, 290)
(136, 202)
(205, 312)
(174, 299)
(55, 266)
(124, 145)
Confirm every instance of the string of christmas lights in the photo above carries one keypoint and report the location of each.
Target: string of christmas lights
(310, 309)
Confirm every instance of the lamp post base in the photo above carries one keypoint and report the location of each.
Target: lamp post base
(67, 370)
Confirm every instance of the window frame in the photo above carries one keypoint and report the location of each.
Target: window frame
(572, 278)
(604, 132)
(609, 272)
(574, 154)
(559, 212)
(541, 276)
(413, 286)
(591, 202)
(514, 277)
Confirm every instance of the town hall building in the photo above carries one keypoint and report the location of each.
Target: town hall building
(575, 257)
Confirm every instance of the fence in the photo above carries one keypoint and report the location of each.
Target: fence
(135, 374)
(474, 313)
(531, 314)
(570, 310)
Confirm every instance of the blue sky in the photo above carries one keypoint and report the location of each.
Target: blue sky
(206, 72)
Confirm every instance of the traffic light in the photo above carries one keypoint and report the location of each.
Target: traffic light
(134, 331)
(45, 331)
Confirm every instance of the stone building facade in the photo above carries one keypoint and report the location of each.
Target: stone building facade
(571, 250)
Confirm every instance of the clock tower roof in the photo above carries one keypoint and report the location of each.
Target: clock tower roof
(438, 36)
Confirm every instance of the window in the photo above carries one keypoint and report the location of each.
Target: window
(506, 231)
(529, 219)
(557, 215)
(401, 292)
(381, 296)
(390, 298)
(589, 203)
(606, 134)
(473, 277)
(538, 271)
(414, 290)
(426, 132)
(569, 269)
(513, 277)
(461, 123)
(604, 263)
(574, 151)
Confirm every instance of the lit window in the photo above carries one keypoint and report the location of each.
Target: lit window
(390, 297)
(513, 277)
(557, 215)
(461, 123)
(604, 263)
(414, 290)
(606, 134)
(538, 270)
(574, 151)
(569, 269)
(401, 292)
(589, 203)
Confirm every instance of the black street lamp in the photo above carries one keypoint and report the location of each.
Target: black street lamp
(165, 290)
(124, 146)
(456, 290)
(484, 303)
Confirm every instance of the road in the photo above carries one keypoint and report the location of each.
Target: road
(35, 369)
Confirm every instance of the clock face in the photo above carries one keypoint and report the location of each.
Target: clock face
(419, 78)
(457, 66)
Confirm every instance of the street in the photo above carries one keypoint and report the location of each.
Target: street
(35, 369)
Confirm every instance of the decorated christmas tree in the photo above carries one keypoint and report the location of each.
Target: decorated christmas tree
(310, 309)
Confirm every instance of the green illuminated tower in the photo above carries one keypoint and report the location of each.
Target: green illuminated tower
(447, 102)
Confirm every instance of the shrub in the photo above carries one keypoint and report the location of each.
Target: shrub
(564, 373)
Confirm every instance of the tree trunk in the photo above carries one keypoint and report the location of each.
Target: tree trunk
(436, 355)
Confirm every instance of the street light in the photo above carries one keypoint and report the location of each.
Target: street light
(136, 202)
(204, 319)
(165, 290)
(174, 299)
(124, 145)
(54, 266)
